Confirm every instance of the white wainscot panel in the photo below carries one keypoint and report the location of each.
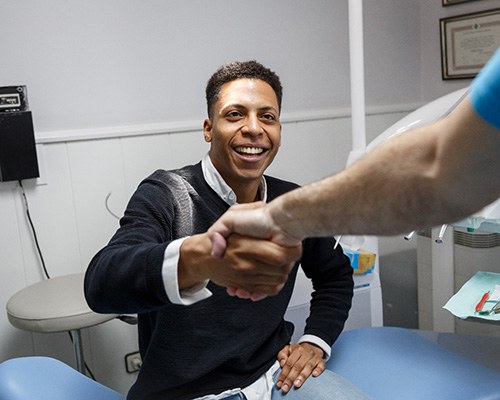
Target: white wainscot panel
(13, 342)
(96, 170)
(52, 210)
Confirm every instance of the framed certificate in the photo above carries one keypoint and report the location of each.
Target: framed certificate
(467, 42)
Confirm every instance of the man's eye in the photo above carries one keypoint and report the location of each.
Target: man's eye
(233, 114)
(270, 117)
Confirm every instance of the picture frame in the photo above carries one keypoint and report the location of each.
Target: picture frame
(467, 42)
(453, 2)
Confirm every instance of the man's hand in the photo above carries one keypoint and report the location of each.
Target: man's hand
(298, 362)
(251, 219)
(253, 265)
(254, 220)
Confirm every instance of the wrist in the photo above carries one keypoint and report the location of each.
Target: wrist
(284, 223)
(190, 269)
(319, 343)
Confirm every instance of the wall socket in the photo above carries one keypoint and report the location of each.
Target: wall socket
(133, 362)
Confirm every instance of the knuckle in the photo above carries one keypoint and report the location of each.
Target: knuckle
(283, 257)
(297, 369)
(281, 280)
(278, 288)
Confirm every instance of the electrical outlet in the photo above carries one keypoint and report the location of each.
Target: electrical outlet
(133, 362)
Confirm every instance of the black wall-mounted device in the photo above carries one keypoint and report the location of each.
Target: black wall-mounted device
(18, 158)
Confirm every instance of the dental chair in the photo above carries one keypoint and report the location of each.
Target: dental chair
(44, 378)
(386, 363)
(397, 363)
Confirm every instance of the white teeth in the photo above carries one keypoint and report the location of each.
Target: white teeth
(249, 150)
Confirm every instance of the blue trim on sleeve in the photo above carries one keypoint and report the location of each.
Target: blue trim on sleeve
(485, 91)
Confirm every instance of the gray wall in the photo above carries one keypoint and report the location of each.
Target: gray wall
(106, 63)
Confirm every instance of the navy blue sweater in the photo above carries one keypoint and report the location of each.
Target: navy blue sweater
(221, 342)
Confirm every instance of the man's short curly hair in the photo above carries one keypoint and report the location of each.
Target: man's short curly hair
(237, 70)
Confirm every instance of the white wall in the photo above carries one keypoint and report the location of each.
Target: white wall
(102, 73)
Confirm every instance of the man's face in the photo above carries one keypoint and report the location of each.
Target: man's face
(244, 132)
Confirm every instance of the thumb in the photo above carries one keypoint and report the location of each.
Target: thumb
(218, 244)
(283, 355)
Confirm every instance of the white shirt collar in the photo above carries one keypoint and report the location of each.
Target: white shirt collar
(217, 183)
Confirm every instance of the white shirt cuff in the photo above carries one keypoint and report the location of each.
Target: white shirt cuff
(318, 342)
(184, 297)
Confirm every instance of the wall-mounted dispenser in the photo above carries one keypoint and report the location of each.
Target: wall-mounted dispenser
(18, 158)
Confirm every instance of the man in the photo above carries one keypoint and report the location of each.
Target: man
(195, 340)
(433, 175)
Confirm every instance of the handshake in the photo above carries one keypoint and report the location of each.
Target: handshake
(263, 254)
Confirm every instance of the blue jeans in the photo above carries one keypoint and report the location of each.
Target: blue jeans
(327, 386)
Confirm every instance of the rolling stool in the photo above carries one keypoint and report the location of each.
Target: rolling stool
(55, 305)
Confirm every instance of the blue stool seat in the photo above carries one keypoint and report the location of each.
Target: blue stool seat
(396, 363)
(44, 378)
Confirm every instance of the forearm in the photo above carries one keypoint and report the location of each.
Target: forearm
(331, 275)
(125, 279)
(374, 196)
(329, 309)
(194, 261)
(433, 175)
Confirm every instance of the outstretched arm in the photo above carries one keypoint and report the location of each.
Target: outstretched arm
(432, 175)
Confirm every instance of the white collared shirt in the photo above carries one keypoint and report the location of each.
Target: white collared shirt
(262, 388)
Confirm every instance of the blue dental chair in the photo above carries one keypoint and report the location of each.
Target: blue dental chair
(396, 363)
(386, 363)
(44, 378)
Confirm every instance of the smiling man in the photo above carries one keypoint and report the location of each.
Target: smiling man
(197, 341)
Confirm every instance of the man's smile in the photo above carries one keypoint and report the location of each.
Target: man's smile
(249, 150)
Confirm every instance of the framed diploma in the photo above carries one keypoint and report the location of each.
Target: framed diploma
(467, 42)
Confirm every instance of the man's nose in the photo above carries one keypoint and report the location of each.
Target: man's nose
(252, 126)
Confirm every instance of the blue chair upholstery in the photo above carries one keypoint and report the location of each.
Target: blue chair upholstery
(386, 363)
(43, 378)
(395, 363)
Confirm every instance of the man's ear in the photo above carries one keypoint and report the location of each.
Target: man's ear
(207, 130)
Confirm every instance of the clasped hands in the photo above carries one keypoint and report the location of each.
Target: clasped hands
(248, 266)
(252, 222)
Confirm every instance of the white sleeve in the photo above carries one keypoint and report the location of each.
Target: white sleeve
(171, 282)
(318, 342)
